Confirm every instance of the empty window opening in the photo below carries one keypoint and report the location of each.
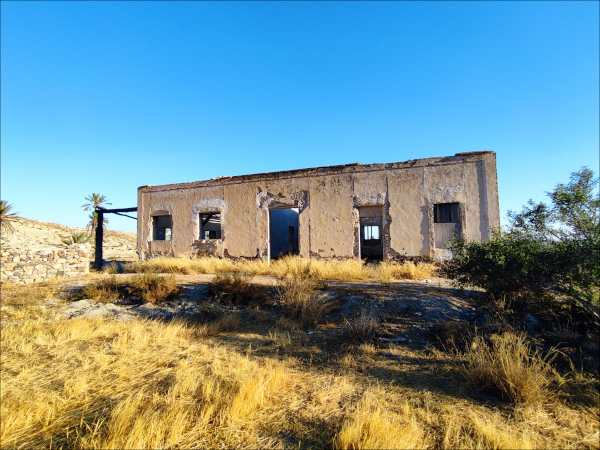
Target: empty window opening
(371, 232)
(162, 228)
(210, 226)
(445, 213)
(283, 232)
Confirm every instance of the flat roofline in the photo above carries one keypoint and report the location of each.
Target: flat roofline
(317, 171)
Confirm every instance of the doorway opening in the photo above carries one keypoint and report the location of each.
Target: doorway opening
(283, 232)
(371, 232)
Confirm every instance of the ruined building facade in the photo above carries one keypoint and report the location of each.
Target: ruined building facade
(382, 211)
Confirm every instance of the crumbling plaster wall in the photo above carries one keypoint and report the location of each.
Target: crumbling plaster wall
(328, 200)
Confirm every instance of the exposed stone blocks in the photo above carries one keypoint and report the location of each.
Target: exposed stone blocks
(25, 266)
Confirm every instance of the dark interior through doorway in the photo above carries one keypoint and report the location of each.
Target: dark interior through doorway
(371, 232)
(283, 231)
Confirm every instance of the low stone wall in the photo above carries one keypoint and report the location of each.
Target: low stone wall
(26, 266)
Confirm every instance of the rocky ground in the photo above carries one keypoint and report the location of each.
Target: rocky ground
(35, 235)
(409, 313)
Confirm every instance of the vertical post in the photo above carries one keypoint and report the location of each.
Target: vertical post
(99, 238)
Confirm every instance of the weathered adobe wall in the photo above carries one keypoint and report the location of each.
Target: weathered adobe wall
(25, 266)
(329, 200)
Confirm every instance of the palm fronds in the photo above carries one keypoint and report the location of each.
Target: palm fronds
(7, 216)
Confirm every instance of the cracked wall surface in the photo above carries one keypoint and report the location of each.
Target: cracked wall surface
(328, 199)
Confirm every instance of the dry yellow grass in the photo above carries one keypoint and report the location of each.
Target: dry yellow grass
(374, 425)
(291, 267)
(508, 365)
(95, 383)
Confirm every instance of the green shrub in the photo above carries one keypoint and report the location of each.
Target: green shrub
(552, 249)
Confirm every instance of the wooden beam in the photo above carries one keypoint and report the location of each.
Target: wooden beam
(207, 219)
(125, 215)
(116, 210)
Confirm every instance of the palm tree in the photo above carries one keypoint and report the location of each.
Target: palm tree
(94, 201)
(7, 218)
(93, 223)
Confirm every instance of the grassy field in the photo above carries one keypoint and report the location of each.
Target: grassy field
(249, 377)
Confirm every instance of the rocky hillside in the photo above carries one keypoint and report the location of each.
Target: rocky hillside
(43, 235)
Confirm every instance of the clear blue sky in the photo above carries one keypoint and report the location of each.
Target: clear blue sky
(108, 96)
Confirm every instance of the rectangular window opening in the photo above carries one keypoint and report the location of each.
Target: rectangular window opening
(371, 232)
(210, 225)
(445, 213)
(162, 228)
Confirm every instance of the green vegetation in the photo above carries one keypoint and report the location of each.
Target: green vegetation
(7, 217)
(94, 201)
(547, 250)
(77, 238)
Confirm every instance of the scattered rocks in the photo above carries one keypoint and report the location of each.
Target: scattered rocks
(532, 323)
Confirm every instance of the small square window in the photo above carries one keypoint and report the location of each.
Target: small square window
(445, 213)
(371, 232)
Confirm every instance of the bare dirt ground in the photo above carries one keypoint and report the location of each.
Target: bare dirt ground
(35, 235)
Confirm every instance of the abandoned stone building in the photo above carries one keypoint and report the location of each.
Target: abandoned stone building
(391, 211)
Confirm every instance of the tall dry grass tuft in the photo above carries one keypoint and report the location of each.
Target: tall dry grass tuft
(345, 270)
(300, 299)
(408, 270)
(373, 426)
(292, 267)
(362, 330)
(153, 288)
(104, 290)
(510, 367)
(234, 288)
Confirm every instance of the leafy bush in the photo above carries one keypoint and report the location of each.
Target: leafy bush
(545, 249)
(153, 288)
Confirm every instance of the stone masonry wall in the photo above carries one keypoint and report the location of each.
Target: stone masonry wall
(26, 266)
